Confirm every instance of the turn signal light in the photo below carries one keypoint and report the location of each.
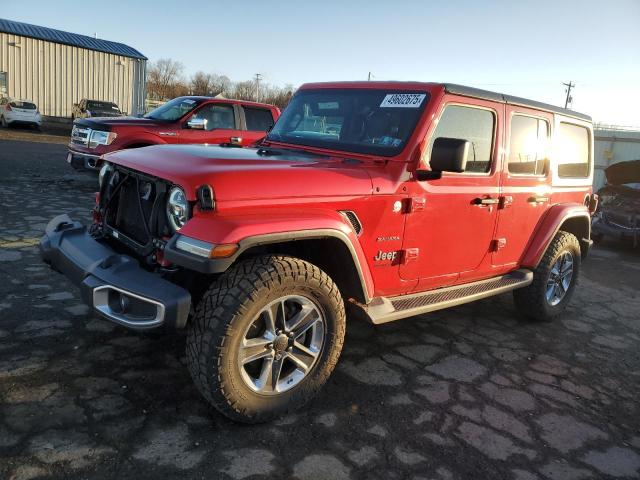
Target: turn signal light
(224, 251)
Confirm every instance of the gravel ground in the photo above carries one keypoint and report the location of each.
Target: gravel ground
(470, 393)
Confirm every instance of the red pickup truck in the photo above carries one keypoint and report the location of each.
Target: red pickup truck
(181, 120)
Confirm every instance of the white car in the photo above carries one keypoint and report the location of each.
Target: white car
(14, 112)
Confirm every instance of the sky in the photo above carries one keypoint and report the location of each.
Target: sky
(523, 48)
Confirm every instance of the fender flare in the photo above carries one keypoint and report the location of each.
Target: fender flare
(320, 228)
(549, 226)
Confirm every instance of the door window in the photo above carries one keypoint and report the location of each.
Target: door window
(217, 116)
(475, 125)
(258, 119)
(528, 146)
(573, 151)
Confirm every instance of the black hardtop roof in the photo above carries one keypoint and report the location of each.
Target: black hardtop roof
(510, 99)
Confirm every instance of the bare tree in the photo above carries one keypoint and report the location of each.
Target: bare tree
(164, 79)
(245, 90)
(201, 83)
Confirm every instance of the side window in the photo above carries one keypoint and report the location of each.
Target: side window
(528, 146)
(573, 151)
(475, 125)
(258, 119)
(217, 116)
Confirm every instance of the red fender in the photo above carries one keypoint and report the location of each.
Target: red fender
(547, 228)
(285, 225)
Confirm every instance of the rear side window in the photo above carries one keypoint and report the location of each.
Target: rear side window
(528, 146)
(23, 105)
(573, 151)
(475, 125)
(258, 119)
(217, 116)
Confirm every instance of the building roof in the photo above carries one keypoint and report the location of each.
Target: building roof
(67, 38)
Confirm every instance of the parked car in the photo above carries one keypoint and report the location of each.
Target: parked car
(410, 207)
(19, 112)
(618, 214)
(181, 120)
(95, 108)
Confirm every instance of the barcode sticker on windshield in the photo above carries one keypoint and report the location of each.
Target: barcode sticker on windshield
(402, 100)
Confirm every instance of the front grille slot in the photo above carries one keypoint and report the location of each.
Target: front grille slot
(131, 205)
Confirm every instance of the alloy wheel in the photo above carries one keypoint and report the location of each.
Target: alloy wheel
(281, 345)
(560, 278)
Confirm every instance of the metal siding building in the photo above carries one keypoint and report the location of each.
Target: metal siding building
(56, 69)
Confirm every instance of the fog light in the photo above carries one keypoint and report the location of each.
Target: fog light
(125, 304)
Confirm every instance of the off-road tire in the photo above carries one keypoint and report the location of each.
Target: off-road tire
(531, 301)
(224, 312)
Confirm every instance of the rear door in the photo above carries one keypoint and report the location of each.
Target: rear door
(450, 226)
(257, 122)
(525, 180)
(222, 125)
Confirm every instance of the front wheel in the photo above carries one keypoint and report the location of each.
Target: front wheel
(265, 337)
(554, 280)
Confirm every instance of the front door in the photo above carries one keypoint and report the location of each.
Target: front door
(449, 229)
(220, 127)
(525, 182)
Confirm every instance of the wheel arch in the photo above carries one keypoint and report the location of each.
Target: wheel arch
(330, 250)
(574, 219)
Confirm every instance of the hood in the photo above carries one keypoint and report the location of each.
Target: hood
(244, 173)
(105, 123)
(623, 172)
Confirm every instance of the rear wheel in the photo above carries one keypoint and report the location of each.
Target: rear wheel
(3, 122)
(265, 337)
(554, 280)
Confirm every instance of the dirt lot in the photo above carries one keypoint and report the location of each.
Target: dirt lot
(470, 393)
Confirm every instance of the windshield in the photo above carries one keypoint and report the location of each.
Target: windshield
(368, 121)
(24, 105)
(173, 109)
(102, 106)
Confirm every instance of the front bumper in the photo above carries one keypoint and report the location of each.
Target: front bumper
(114, 285)
(83, 161)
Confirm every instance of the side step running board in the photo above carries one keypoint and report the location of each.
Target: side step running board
(383, 309)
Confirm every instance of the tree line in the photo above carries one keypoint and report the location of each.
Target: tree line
(166, 80)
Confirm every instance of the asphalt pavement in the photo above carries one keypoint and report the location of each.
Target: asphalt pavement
(474, 392)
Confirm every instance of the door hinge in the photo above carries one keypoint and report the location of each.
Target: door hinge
(498, 244)
(410, 255)
(416, 204)
(505, 201)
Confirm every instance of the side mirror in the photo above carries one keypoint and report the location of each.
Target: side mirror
(197, 123)
(447, 155)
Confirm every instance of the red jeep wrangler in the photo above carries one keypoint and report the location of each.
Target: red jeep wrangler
(181, 120)
(394, 199)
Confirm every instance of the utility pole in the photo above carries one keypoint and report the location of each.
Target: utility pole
(569, 86)
(258, 78)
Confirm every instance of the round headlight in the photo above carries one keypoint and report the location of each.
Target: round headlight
(105, 171)
(177, 208)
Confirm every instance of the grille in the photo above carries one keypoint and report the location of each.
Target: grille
(448, 295)
(353, 220)
(130, 211)
(80, 136)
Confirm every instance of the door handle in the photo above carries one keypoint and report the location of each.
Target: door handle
(538, 199)
(483, 202)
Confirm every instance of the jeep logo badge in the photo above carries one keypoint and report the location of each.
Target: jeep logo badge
(385, 256)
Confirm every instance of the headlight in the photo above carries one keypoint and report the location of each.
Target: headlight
(177, 208)
(105, 171)
(101, 138)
